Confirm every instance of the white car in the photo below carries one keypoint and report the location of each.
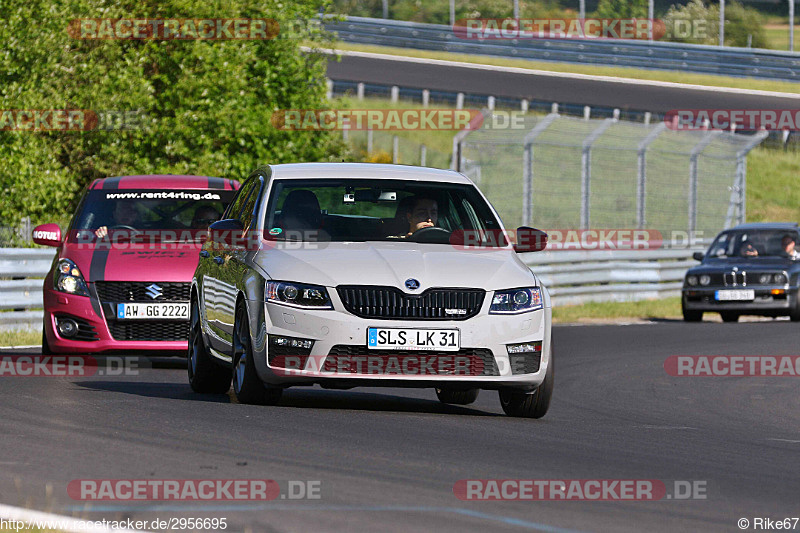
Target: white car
(345, 275)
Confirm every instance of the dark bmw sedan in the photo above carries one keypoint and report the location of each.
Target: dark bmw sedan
(752, 269)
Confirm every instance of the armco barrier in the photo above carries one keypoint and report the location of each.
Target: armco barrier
(572, 277)
(21, 273)
(727, 61)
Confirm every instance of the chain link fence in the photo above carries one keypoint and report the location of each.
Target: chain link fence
(556, 171)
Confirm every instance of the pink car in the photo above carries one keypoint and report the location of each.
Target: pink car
(122, 274)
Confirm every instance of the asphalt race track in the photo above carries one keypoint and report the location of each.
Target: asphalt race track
(658, 99)
(387, 459)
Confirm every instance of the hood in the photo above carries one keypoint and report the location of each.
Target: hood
(156, 262)
(392, 263)
(754, 264)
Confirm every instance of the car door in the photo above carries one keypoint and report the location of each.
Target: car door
(216, 294)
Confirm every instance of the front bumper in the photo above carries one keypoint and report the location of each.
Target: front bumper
(484, 358)
(84, 309)
(703, 299)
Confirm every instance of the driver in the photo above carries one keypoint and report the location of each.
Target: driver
(788, 245)
(423, 212)
(124, 214)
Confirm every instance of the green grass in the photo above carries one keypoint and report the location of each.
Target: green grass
(664, 308)
(772, 191)
(623, 72)
(20, 338)
(778, 36)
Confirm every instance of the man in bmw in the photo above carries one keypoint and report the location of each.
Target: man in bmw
(305, 282)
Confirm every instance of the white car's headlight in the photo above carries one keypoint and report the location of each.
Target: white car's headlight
(516, 301)
(68, 278)
(298, 295)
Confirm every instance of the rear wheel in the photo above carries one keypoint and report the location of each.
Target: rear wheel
(457, 397)
(247, 386)
(690, 315)
(205, 376)
(529, 404)
(794, 311)
(729, 316)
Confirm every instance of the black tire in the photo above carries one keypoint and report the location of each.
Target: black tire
(729, 316)
(457, 397)
(247, 386)
(529, 404)
(690, 315)
(46, 349)
(205, 375)
(794, 311)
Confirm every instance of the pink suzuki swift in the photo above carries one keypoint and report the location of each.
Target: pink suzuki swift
(120, 279)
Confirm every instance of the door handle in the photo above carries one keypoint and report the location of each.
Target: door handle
(218, 260)
(204, 254)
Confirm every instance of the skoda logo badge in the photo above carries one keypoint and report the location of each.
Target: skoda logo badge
(412, 284)
(153, 291)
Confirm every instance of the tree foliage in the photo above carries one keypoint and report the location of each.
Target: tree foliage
(200, 107)
(740, 22)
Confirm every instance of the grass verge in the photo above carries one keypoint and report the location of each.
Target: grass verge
(20, 338)
(622, 72)
(665, 308)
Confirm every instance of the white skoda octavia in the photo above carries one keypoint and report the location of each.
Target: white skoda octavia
(348, 275)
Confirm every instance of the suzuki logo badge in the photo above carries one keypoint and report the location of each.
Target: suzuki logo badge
(154, 291)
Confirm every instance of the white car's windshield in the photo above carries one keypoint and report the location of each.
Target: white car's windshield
(375, 210)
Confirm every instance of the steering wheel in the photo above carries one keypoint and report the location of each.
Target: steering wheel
(431, 235)
(124, 226)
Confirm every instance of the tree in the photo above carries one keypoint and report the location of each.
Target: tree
(621, 9)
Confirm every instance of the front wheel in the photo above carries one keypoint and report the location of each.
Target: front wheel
(205, 376)
(729, 316)
(690, 315)
(457, 397)
(529, 404)
(247, 386)
(794, 312)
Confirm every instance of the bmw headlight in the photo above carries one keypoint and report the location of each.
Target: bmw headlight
(691, 280)
(298, 295)
(68, 278)
(764, 279)
(779, 279)
(705, 279)
(513, 301)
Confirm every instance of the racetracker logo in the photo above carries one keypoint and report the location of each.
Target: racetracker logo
(66, 366)
(174, 29)
(592, 28)
(421, 364)
(377, 119)
(192, 490)
(733, 365)
(573, 239)
(577, 489)
(733, 119)
(69, 120)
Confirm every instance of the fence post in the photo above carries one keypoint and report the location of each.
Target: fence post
(329, 85)
(395, 93)
(695, 153)
(490, 103)
(423, 155)
(360, 91)
(460, 101)
(524, 105)
(527, 167)
(369, 141)
(586, 169)
(395, 149)
(426, 97)
(641, 173)
(458, 138)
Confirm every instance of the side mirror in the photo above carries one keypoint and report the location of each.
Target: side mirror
(698, 256)
(47, 235)
(530, 240)
(227, 232)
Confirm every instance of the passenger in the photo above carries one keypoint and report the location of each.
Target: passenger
(204, 216)
(788, 244)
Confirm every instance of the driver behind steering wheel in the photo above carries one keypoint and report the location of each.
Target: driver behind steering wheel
(423, 212)
(124, 214)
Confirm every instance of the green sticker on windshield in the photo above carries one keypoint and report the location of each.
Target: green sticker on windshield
(275, 231)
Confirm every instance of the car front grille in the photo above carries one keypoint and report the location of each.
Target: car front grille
(130, 291)
(388, 303)
(160, 330)
(465, 362)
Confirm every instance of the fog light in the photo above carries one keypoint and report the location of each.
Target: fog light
(294, 343)
(525, 347)
(67, 327)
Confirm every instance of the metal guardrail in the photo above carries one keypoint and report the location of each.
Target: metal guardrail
(572, 277)
(21, 273)
(727, 61)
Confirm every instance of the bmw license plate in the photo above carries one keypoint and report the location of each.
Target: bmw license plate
(446, 340)
(735, 294)
(160, 311)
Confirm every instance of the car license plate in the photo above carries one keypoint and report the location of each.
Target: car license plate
(161, 311)
(734, 294)
(446, 340)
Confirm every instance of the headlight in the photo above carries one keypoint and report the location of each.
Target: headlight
(705, 279)
(764, 279)
(68, 278)
(691, 280)
(779, 279)
(298, 295)
(516, 301)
